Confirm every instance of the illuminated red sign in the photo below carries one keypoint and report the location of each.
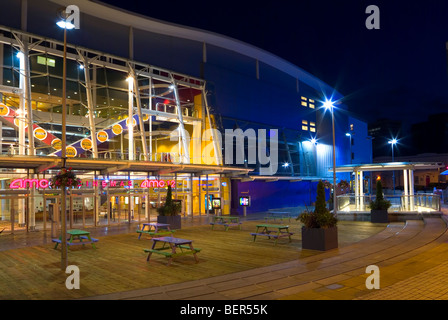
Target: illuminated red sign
(44, 183)
(29, 183)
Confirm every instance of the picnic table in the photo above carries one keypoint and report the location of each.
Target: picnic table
(280, 215)
(176, 247)
(226, 221)
(155, 229)
(77, 237)
(274, 231)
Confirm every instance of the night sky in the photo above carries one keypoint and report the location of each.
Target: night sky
(398, 72)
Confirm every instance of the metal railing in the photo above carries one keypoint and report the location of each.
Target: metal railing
(424, 202)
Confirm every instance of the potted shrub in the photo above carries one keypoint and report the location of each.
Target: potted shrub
(319, 231)
(378, 208)
(170, 212)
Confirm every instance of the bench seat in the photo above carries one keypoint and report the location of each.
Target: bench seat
(169, 254)
(273, 235)
(87, 241)
(226, 224)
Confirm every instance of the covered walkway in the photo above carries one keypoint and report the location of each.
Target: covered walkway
(408, 201)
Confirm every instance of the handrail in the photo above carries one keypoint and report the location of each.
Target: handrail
(421, 202)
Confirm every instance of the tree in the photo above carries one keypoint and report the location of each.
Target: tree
(321, 217)
(380, 203)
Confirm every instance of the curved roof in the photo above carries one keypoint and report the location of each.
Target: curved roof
(144, 23)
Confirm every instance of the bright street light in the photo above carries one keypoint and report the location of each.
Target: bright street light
(329, 105)
(65, 25)
(392, 143)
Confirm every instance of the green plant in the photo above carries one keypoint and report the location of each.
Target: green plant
(321, 217)
(379, 203)
(170, 208)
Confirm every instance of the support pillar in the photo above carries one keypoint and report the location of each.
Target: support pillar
(405, 180)
(185, 144)
(361, 190)
(90, 107)
(411, 190)
(216, 141)
(130, 118)
(356, 191)
(140, 115)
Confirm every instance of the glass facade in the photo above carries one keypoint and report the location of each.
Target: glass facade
(170, 120)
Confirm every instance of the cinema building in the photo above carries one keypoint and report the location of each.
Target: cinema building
(191, 94)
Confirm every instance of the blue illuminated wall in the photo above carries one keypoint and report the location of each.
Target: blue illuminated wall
(272, 195)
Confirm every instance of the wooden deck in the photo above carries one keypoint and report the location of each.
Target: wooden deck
(119, 262)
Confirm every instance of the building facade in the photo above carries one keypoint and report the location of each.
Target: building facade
(213, 117)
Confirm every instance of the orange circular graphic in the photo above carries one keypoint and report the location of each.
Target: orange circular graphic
(86, 144)
(40, 133)
(56, 144)
(4, 110)
(117, 129)
(71, 152)
(134, 122)
(102, 136)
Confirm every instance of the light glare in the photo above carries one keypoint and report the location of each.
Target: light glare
(65, 25)
(328, 104)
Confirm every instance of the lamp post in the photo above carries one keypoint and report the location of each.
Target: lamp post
(392, 143)
(348, 134)
(64, 25)
(328, 104)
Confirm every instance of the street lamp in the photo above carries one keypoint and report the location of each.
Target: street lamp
(328, 105)
(66, 26)
(392, 143)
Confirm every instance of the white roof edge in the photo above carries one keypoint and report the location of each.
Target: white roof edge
(144, 23)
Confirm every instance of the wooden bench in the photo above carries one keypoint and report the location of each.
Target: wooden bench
(160, 233)
(91, 241)
(170, 254)
(273, 215)
(226, 224)
(275, 235)
(279, 231)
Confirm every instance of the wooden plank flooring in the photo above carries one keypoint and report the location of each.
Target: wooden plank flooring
(119, 263)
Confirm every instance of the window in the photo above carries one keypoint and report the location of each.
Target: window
(312, 126)
(305, 125)
(46, 61)
(307, 102)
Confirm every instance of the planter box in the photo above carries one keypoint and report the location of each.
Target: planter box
(319, 238)
(175, 222)
(379, 216)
